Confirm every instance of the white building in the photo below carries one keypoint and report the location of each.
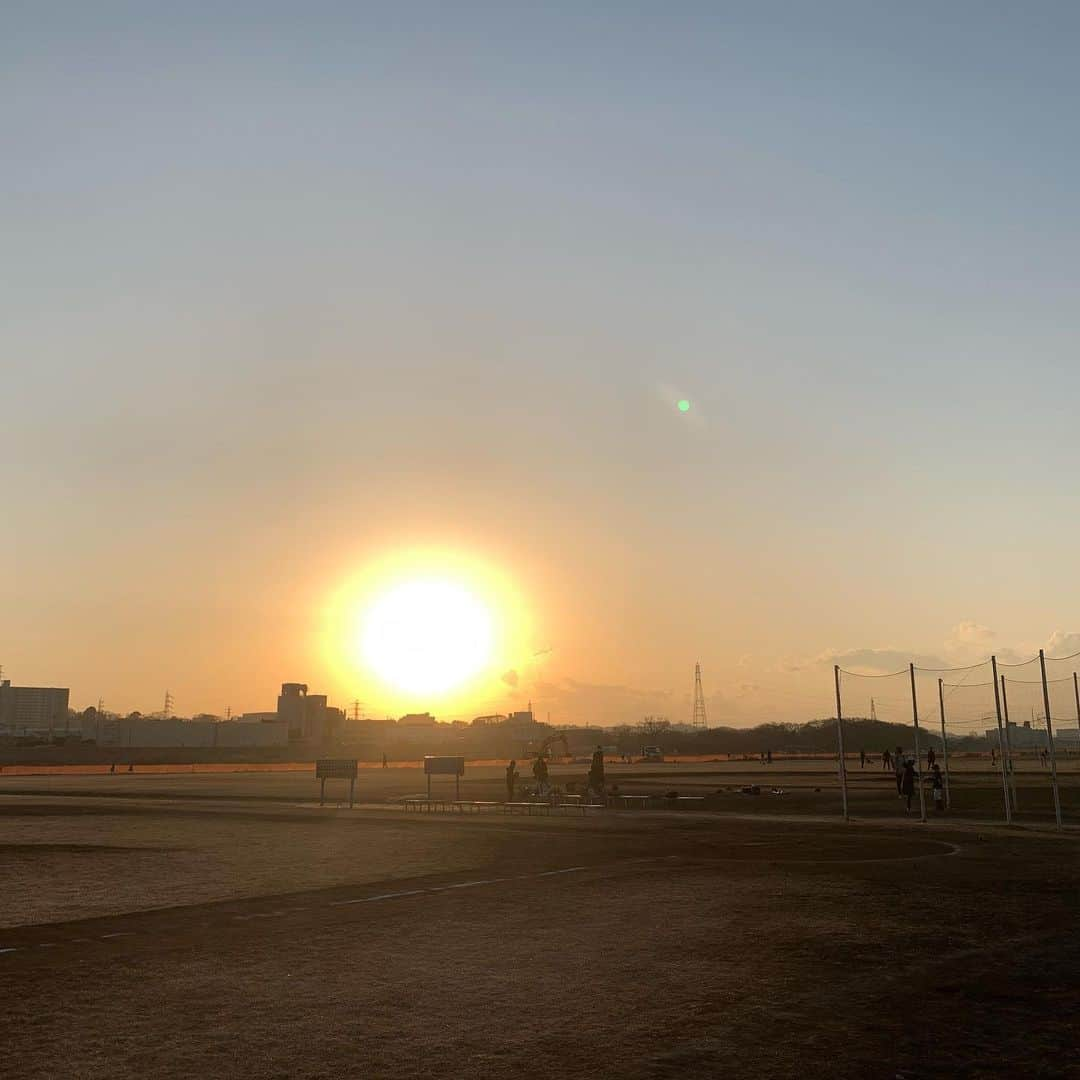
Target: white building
(33, 710)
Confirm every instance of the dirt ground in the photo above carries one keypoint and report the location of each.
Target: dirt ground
(173, 926)
(804, 787)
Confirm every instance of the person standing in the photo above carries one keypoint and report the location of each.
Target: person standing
(540, 774)
(907, 782)
(937, 786)
(931, 757)
(511, 779)
(886, 759)
(862, 759)
(596, 770)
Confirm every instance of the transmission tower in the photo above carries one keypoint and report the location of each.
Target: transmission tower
(873, 710)
(167, 711)
(698, 719)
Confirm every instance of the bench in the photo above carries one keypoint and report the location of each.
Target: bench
(420, 803)
(526, 807)
(640, 802)
(474, 805)
(693, 800)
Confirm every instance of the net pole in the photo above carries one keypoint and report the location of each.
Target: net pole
(1008, 745)
(1076, 691)
(944, 740)
(840, 742)
(918, 765)
(1050, 741)
(1001, 742)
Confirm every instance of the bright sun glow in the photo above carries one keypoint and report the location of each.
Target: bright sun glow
(427, 637)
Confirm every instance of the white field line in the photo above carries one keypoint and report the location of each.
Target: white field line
(346, 903)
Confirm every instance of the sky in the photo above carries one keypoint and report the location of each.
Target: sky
(293, 291)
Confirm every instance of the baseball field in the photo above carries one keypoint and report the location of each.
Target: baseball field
(210, 924)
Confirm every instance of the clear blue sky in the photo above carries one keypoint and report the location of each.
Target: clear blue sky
(286, 285)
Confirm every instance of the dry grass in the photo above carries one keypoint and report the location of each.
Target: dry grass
(689, 947)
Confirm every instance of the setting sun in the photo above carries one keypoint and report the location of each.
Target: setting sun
(427, 636)
(428, 628)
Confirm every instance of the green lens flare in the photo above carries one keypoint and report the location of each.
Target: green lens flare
(684, 405)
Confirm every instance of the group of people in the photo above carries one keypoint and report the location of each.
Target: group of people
(541, 775)
(905, 771)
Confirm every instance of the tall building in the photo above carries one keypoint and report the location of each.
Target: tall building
(291, 705)
(306, 714)
(37, 709)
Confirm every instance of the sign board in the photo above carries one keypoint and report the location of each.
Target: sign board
(335, 769)
(444, 766)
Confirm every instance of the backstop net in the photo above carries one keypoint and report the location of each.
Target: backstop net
(1005, 743)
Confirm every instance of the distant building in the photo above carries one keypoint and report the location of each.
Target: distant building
(35, 710)
(314, 729)
(423, 719)
(291, 706)
(489, 721)
(305, 714)
(522, 719)
(1021, 737)
(171, 732)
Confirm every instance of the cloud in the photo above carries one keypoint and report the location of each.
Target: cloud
(880, 660)
(510, 677)
(1062, 644)
(971, 635)
(969, 644)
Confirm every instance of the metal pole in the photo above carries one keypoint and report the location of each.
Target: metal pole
(1008, 747)
(1050, 740)
(840, 741)
(1001, 742)
(944, 741)
(918, 766)
(1076, 690)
